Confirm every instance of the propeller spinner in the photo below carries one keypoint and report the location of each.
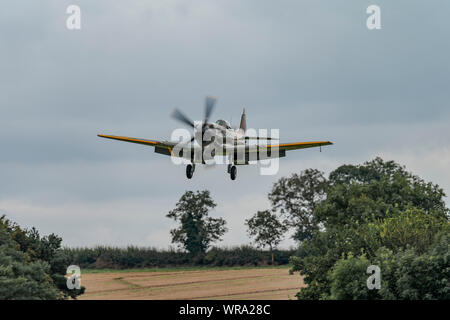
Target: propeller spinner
(209, 107)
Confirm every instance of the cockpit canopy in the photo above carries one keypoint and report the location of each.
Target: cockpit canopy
(223, 123)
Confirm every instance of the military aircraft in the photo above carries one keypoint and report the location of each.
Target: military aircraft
(228, 142)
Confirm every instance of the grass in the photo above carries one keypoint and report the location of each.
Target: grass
(174, 269)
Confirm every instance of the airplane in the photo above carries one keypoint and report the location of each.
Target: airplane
(234, 143)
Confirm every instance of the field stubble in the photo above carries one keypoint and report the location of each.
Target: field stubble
(245, 283)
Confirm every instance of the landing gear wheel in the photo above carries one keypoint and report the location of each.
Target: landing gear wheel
(229, 168)
(233, 172)
(190, 171)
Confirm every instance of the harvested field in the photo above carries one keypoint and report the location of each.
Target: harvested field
(243, 283)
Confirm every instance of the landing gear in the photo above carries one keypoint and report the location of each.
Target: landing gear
(190, 170)
(229, 168)
(233, 172)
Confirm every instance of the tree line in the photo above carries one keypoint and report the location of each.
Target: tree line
(131, 257)
(375, 213)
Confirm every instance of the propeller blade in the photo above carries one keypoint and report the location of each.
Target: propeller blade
(177, 114)
(209, 106)
(185, 143)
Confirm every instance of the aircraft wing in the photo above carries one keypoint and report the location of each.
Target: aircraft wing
(163, 147)
(300, 145)
(251, 152)
(269, 151)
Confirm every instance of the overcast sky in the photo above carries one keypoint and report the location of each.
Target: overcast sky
(310, 68)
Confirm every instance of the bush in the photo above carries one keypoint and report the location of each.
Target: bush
(412, 276)
(36, 250)
(404, 275)
(20, 278)
(136, 257)
(380, 212)
(348, 279)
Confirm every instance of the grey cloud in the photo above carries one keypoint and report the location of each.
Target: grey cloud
(311, 69)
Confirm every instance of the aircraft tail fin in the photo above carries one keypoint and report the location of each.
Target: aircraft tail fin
(243, 125)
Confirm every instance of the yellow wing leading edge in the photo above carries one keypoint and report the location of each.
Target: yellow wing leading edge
(300, 145)
(166, 147)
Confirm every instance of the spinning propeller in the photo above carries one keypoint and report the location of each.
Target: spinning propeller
(209, 107)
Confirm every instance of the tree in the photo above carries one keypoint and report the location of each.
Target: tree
(296, 198)
(404, 275)
(374, 190)
(348, 279)
(21, 279)
(367, 208)
(267, 230)
(43, 254)
(197, 230)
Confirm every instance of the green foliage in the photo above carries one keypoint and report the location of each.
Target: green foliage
(404, 275)
(197, 230)
(42, 254)
(348, 279)
(245, 256)
(378, 213)
(412, 228)
(267, 229)
(102, 257)
(20, 278)
(417, 277)
(318, 256)
(374, 190)
(296, 198)
(135, 257)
